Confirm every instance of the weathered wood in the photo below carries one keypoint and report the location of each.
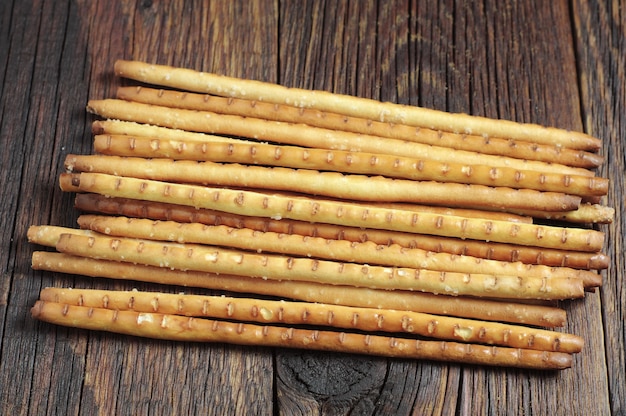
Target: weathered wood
(601, 33)
(500, 81)
(372, 73)
(523, 60)
(522, 67)
(61, 53)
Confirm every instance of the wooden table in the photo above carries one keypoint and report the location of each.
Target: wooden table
(555, 63)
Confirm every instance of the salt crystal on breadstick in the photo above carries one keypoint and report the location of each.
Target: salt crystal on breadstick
(179, 328)
(496, 251)
(319, 314)
(265, 154)
(329, 184)
(256, 204)
(307, 136)
(476, 308)
(317, 247)
(187, 79)
(278, 267)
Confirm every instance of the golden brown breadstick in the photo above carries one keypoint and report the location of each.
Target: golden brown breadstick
(276, 112)
(187, 79)
(278, 267)
(179, 328)
(48, 235)
(319, 314)
(278, 207)
(121, 127)
(475, 308)
(348, 162)
(586, 213)
(308, 136)
(290, 114)
(504, 252)
(317, 247)
(68, 182)
(460, 212)
(329, 184)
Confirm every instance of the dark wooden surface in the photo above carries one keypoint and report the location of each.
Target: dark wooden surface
(551, 62)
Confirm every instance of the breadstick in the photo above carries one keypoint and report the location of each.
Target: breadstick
(179, 328)
(347, 162)
(586, 213)
(121, 127)
(307, 136)
(505, 252)
(329, 184)
(68, 182)
(48, 235)
(298, 115)
(319, 314)
(278, 267)
(316, 247)
(277, 207)
(187, 79)
(575, 186)
(473, 308)
(460, 212)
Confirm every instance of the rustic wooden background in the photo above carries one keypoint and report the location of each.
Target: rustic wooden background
(551, 62)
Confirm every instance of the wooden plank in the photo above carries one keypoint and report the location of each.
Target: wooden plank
(311, 61)
(162, 377)
(516, 60)
(518, 63)
(30, 108)
(49, 79)
(600, 34)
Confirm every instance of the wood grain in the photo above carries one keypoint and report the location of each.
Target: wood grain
(600, 31)
(555, 63)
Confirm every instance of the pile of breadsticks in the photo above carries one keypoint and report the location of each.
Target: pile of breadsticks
(327, 222)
